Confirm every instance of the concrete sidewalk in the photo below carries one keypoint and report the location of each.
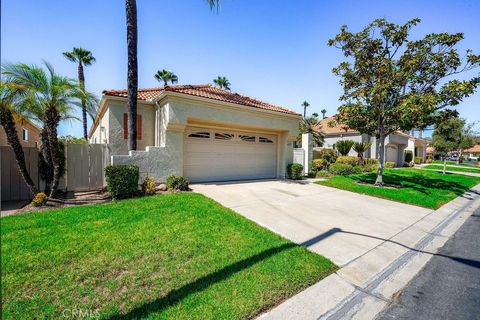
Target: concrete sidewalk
(440, 169)
(362, 288)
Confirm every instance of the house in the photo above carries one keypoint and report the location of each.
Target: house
(199, 131)
(472, 153)
(28, 133)
(395, 144)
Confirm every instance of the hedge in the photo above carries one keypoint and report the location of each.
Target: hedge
(122, 180)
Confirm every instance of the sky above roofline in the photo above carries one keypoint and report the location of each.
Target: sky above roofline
(274, 51)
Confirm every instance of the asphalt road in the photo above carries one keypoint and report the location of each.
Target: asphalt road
(449, 285)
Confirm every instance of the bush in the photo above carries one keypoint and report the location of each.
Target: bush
(322, 174)
(343, 169)
(390, 164)
(344, 146)
(122, 180)
(40, 199)
(294, 171)
(327, 155)
(177, 183)
(418, 160)
(369, 167)
(317, 165)
(148, 186)
(353, 161)
(429, 160)
(408, 156)
(370, 161)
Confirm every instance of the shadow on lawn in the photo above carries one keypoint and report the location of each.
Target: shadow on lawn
(417, 182)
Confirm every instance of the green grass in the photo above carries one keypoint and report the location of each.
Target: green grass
(423, 188)
(450, 168)
(176, 256)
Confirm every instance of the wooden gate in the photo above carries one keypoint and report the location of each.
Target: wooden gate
(85, 166)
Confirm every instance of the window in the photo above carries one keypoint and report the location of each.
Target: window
(24, 134)
(200, 134)
(125, 126)
(223, 136)
(265, 140)
(247, 138)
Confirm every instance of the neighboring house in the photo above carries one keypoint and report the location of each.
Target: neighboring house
(472, 153)
(395, 144)
(28, 133)
(199, 131)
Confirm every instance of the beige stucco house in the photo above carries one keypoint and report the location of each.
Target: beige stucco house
(28, 133)
(199, 131)
(395, 144)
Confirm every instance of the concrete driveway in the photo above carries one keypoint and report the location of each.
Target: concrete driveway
(337, 224)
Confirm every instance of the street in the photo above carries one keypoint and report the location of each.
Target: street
(449, 285)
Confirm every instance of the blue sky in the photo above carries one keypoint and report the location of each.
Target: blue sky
(271, 50)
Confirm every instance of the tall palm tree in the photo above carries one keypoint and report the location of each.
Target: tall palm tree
(166, 76)
(312, 125)
(12, 109)
(323, 113)
(305, 105)
(83, 58)
(222, 82)
(360, 148)
(132, 73)
(51, 98)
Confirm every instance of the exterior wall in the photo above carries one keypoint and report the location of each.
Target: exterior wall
(332, 139)
(101, 135)
(33, 135)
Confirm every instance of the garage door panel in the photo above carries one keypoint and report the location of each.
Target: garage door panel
(221, 160)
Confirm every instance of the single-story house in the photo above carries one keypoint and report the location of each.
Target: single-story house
(395, 144)
(198, 131)
(472, 153)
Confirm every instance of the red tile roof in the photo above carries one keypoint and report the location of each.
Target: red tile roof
(474, 149)
(204, 91)
(336, 129)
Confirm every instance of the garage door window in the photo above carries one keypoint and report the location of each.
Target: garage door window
(200, 134)
(223, 136)
(247, 138)
(265, 140)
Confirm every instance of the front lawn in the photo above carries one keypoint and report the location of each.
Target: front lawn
(468, 164)
(423, 188)
(175, 256)
(450, 168)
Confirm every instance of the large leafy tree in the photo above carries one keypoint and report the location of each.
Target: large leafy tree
(452, 134)
(13, 110)
(166, 76)
(51, 98)
(313, 126)
(83, 58)
(132, 73)
(393, 83)
(222, 83)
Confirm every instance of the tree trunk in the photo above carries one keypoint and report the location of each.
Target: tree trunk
(8, 124)
(51, 120)
(132, 77)
(444, 164)
(381, 159)
(46, 170)
(459, 156)
(81, 80)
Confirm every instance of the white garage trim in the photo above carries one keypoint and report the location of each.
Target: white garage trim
(223, 155)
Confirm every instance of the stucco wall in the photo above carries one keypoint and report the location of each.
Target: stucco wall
(33, 135)
(100, 136)
(332, 140)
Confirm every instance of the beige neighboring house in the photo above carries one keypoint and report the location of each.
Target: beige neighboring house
(199, 131)
(472, 153)
(395, 144)
(28, 133)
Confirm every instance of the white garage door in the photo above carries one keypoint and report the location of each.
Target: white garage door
(222, 155)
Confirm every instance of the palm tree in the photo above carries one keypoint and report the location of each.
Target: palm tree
(132, 73)
(323, 113)
(51, 98)
(360, 148)
(166, 76)
(222, 82)
(305, 105)
(83, 58)
(344, 146)
(312, 125)
(12, 109)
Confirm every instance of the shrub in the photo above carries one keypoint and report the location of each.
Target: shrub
(327, 155)
(429, 160)
(177, 183)
(353, 161)
(322, 173)
(122, 180)
(294, 171)
(148, 186)
(343, 169)
(369, 167)
(390, 164)
(317, 165)
(418, 160)
(40, 199)
(370, 161)
(408, 156)
(344, 146)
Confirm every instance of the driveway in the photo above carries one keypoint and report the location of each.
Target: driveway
(337, 224)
